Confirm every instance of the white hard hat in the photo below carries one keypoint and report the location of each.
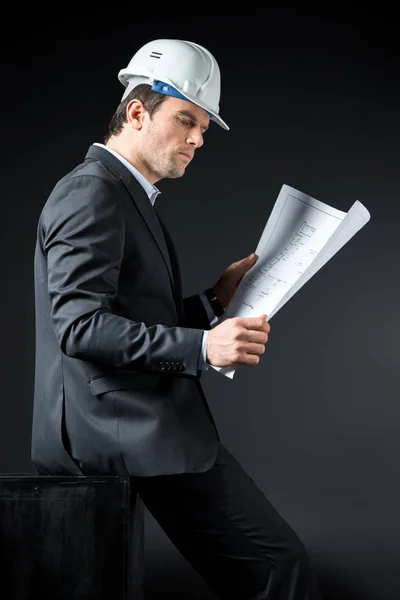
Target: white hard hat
(177, 68)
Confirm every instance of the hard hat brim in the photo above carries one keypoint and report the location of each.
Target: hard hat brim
(131, 82)
(214, 116)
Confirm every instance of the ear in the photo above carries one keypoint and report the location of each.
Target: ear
(135, 113)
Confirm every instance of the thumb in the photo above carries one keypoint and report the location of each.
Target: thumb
(251, 259)
(245, 264)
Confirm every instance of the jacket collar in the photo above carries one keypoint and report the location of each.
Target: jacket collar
(138, 196)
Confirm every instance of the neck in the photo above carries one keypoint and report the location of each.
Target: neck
(127, 151)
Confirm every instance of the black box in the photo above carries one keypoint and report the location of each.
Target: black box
(75, 538)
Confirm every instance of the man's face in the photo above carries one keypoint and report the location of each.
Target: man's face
(171, 137)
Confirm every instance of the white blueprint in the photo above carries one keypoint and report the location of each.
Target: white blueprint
(301, 235)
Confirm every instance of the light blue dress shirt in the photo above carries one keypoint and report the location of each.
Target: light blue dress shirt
(152, 191)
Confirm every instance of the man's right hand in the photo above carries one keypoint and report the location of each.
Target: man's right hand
(237, 341)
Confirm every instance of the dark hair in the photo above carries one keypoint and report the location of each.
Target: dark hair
(143, 92)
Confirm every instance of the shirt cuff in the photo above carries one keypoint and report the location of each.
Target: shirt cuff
(203, 364)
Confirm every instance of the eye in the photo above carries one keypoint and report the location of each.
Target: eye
(183, 121)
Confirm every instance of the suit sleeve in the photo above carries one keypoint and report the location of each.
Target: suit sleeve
(83, 233)
(195, 313)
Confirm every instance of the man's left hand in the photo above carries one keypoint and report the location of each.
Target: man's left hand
(227, 284)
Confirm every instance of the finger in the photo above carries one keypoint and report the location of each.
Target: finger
(258, 337)
(266, 327)
(253, 348)
(250, 260)
(254, 322)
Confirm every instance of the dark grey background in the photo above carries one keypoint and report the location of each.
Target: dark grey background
(312, 101)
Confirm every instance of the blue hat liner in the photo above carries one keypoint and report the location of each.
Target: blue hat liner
(168, 90)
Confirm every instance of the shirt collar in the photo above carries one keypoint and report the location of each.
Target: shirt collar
(151, 190)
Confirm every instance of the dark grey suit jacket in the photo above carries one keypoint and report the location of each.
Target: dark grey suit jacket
(117, 385)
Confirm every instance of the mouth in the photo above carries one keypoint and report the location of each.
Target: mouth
(186, 155)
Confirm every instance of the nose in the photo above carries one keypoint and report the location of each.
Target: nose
(195, 137)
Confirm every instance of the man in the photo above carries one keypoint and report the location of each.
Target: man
(120, 355)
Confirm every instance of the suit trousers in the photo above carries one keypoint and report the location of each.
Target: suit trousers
(227, 529)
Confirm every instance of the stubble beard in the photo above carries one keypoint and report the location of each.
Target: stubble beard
(168, 165)
(164, 162)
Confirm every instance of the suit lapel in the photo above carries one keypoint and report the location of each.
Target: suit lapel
(139, 197)
(175, 269)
